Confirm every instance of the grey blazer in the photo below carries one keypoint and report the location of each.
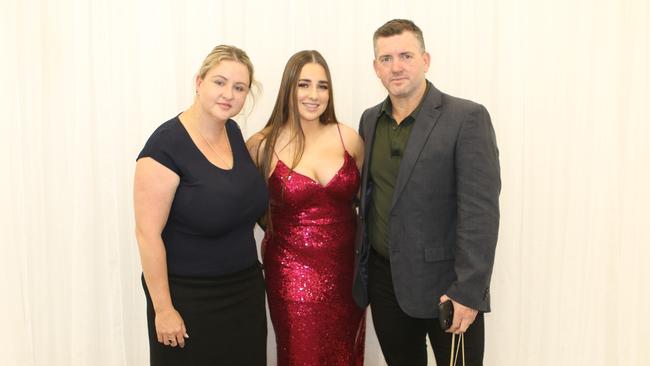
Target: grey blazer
(444, 218)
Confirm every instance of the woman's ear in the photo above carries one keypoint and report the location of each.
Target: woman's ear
(197, 83)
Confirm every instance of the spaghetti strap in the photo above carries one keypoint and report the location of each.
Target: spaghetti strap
(341, 136)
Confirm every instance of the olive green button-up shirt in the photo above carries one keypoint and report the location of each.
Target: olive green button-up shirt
(387, 151)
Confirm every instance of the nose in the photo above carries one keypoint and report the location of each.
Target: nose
(227, 93)
(396, 66)
(313, 92)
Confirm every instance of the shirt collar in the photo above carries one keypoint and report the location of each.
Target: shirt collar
(387, 106)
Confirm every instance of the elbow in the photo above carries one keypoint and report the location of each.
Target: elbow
(146, 237)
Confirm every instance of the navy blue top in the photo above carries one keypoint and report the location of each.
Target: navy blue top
(209, 231)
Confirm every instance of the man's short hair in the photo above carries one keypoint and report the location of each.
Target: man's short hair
(396, 27)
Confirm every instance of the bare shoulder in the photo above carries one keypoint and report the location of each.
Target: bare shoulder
(255, 144)
(255, 140)
(353, 142)
(350, 136)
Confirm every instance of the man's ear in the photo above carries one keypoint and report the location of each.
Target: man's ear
(427, 61)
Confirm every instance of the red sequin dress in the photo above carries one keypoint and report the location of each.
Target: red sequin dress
(308, 265)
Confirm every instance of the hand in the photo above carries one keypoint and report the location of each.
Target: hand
(463, 316)
(170, 328)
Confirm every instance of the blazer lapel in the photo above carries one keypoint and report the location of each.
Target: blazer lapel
(423, 125)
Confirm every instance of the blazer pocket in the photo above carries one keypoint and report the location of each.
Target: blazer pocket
(438, 254)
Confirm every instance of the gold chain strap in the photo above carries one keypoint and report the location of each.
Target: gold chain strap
(453, 358)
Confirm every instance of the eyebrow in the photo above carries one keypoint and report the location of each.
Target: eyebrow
(225, 78)
(309, 81)
(398, 53)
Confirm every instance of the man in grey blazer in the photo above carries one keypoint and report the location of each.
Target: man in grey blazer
(429, 210)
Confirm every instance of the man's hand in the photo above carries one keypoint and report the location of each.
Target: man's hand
(463, 316)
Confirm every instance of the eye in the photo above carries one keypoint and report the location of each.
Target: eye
(303, 85)
(219, 82)
(240, 88)
(407, 56)
(323, 86)
(384, 59)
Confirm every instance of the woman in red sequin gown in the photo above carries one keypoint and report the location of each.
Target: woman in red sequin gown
(312, 163)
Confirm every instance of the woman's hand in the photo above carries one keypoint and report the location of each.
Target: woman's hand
(170, 328)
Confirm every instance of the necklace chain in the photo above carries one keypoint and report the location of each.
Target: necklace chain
(228, 166)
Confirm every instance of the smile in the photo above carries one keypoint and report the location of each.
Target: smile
(312, 107)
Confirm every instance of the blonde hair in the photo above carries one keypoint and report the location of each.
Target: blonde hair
(227, 53)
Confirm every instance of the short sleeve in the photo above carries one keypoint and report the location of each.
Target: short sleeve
(160, 147)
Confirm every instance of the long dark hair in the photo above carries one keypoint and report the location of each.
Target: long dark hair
(286, 112)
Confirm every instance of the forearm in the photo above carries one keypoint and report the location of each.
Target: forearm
(154, 267)
(478, 187)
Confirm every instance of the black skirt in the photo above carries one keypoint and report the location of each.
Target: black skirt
(225, 318)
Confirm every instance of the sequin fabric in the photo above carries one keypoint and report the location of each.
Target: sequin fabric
(308, 264)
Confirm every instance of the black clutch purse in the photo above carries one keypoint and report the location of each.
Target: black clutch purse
(446, 317)
(445, 314)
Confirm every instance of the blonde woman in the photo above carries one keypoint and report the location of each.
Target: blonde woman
(197, 198)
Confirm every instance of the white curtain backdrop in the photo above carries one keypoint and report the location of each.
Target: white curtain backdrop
(567, 82)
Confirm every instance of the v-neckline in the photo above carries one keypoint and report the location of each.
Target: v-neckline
(187, 133)
(346, 156)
